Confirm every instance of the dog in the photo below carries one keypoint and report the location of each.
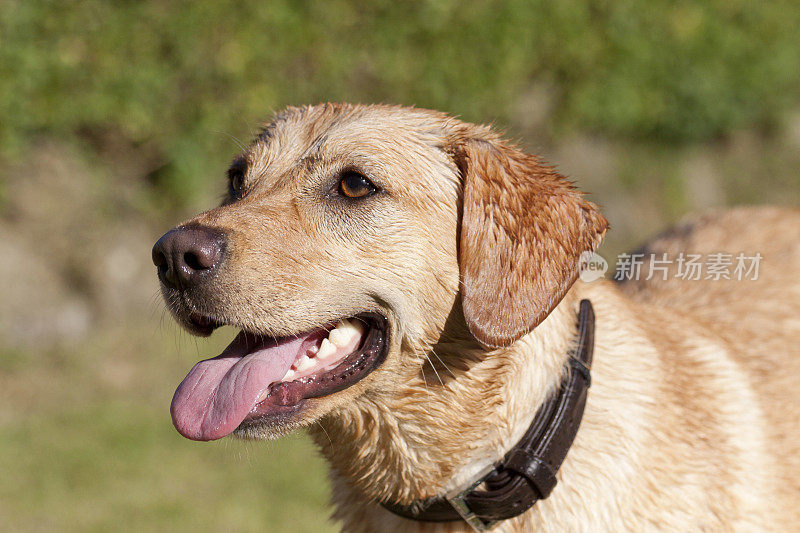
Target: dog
(407, 286)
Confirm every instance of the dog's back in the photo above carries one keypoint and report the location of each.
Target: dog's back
(758, 318)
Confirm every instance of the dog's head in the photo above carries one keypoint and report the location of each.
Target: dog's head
(349, 237)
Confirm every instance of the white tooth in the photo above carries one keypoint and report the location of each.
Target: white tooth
(305, 363)
(345, 332)
(326, 349)
(313, 349)
(289, 375)
(341, 336)
(263, 395)
(359, 325)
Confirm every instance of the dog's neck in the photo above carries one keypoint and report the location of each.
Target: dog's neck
(443, 424)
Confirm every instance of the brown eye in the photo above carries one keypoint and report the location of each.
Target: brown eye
(354, 185)
(236, 182)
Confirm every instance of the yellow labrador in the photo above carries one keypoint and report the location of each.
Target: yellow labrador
(406, 285)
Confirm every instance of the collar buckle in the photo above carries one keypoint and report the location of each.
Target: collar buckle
(458, 500)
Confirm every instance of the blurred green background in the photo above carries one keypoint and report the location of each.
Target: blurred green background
(118, 119)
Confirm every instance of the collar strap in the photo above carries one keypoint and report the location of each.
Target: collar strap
(527, 473)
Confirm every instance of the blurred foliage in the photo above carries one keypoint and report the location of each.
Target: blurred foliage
(86, 445)
(114, 466)
(114, 101)
(171, 78)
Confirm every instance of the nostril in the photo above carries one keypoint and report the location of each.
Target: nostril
(162, 269)
(159, 259)
(192, 260)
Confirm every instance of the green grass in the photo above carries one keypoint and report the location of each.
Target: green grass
(86, 443)
(113, 464)
(173, 80)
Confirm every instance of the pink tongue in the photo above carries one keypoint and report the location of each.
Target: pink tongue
(218, 393)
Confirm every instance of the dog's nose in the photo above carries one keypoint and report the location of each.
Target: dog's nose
(187, 255)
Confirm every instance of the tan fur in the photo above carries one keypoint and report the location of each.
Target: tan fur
(523, 230)
(693, 417)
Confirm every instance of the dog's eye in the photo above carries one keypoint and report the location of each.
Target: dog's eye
(354, 185)
(236, 182)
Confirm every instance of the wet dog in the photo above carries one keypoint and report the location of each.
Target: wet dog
(406, 286)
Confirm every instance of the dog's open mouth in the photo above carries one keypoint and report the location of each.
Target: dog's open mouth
(257, 377)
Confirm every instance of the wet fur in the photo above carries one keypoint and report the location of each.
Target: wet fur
(693, 418)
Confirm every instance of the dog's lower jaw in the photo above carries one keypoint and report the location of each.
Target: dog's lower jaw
(636, 433)
(427, 447)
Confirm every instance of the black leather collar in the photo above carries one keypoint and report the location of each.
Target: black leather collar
(527, 473)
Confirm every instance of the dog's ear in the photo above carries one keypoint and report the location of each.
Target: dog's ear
(523, 229)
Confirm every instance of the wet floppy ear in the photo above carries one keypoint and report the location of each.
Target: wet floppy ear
(523, 229)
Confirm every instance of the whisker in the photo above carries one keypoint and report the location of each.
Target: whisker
(443, 363)
(434, 369)
(239, 143)
(427, 390)
(325, 431)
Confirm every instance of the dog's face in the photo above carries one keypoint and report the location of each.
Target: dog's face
(342, 250)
